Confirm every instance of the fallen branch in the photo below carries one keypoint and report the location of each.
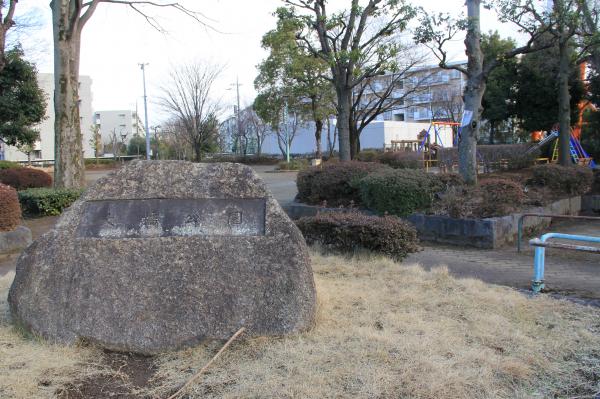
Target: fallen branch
(203, 369)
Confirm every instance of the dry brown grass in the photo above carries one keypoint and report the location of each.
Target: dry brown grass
(390, 331)
(383, 330)
(30, 368)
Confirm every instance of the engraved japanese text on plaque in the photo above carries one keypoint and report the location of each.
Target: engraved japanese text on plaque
(146, 218)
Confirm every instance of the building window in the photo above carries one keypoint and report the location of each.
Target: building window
(399, 117)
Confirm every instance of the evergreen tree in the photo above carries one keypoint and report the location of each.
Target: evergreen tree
(537, 88)
(498, 99)
(22, 102)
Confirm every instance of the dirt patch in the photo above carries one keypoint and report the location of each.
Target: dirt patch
(127, 375)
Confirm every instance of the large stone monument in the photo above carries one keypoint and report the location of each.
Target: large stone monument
(160, 255)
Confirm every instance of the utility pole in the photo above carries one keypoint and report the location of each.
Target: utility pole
(147, 127)
(237, 113)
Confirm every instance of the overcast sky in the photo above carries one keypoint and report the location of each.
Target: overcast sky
(116, 39)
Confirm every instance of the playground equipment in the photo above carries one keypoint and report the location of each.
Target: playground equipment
(578, 154)
(437, 127)
(540, 253)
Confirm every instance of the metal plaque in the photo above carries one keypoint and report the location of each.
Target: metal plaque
(147, 218)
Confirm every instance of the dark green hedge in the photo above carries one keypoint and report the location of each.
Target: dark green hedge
(47, 201)
(403, 191)
(334, 183)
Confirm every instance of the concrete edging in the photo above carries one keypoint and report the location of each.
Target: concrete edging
(486, 233)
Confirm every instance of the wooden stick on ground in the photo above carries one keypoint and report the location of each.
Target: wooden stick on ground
(203, 369)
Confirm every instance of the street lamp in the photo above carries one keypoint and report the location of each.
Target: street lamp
(143, 67)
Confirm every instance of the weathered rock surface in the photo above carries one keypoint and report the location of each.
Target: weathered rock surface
(160, 255)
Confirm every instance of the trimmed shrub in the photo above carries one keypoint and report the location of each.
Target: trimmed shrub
(9, 165)
(572, 180)
(399, 191)
(402, 159)
(24, 178)
(499, 197)
(368, 155)
(294, 164)
(10, 211)
(349, 231)
(100, 161)
(47, 201)
(596, 186)
(490, 155)
(334, 183)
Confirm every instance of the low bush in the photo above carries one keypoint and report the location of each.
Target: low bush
(499, 197)
(334, 183)
(596, 185)
(246, 160)
(572, 180)
(24, 178)
(100, 161)
(368, 155)
(349, 231)
(47, 201)
(399, 192)
(9, 165)
(402, 159)
(492, 155)
(294, 164)
(10, 211)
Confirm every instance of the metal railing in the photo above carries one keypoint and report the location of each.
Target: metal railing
(541, 244)
(545, 215)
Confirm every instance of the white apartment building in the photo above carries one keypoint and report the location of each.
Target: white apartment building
(433, 94)
(44, 148)
(122, 123)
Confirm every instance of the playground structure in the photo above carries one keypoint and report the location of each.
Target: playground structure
(578, 155)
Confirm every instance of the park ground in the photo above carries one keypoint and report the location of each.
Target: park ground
(570, 274)
(429, 327)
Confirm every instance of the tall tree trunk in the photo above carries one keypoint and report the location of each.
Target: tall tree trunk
(474, 90)
(492, 131)
(354, 141)
(68, 142)
(318, 134)
(564, 103)
(344, 97)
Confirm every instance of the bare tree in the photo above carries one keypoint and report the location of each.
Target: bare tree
(287, 130)
(254, 128)
(189, 102)
(7, 21)
(68, 19)
(380, 94)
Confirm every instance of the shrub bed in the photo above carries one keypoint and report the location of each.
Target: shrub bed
(334, 183)
(294, 164)
(400, 191)
(499, 197)
(402, 159)
(571, 180)
(47, 201)
(491, 155)
(349, 231)
(24, 178)
(9, 165)
(10, 211)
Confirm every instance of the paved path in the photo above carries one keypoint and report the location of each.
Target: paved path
(566, 272)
